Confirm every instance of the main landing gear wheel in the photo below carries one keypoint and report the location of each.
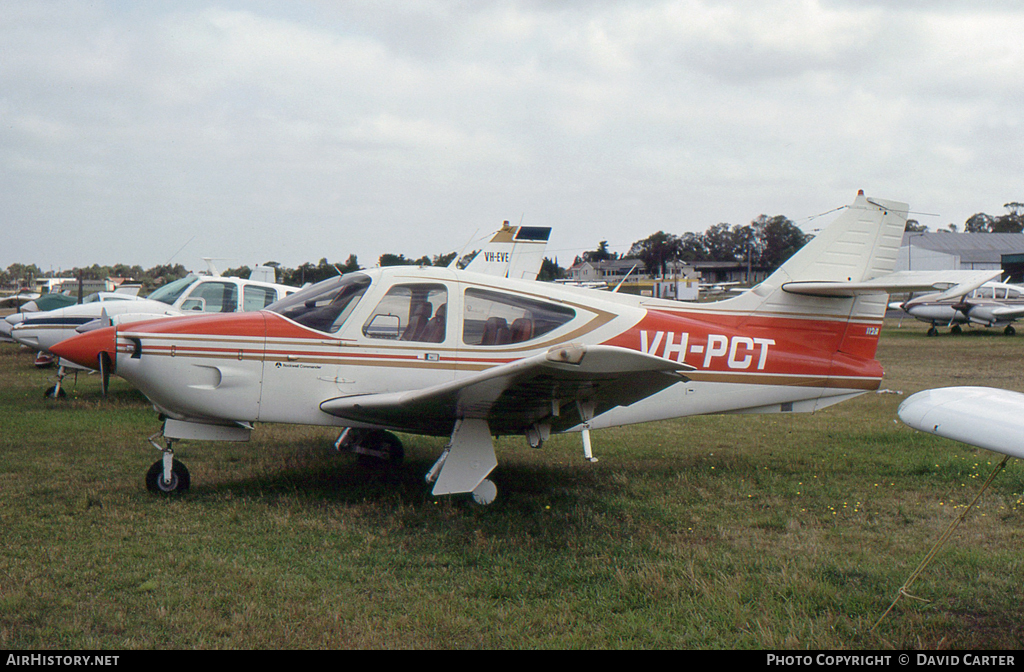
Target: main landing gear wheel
(379, 448)
(485, 493)
(955, 329)
(1009, 331)
(179, 482)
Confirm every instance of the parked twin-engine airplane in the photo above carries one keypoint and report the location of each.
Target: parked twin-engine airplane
(454, 353)
(994, 304)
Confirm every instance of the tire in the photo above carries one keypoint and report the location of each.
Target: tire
(180, 479)
(54, 393)
(485, 493)
(379, 448)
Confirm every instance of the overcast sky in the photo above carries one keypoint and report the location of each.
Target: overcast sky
(149, 132)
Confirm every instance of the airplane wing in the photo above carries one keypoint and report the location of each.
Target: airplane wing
(512, 397)
(980, 416)
(18, 299)
(951, 283)
(1008, 312)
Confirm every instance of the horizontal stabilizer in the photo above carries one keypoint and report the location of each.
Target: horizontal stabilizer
(980, 416)
(950, 283)
(513, 397)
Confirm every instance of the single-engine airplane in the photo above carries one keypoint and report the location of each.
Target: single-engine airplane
(190, 294)
(453, 353)
(994, 304)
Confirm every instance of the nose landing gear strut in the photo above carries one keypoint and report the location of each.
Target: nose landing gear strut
(167, 475)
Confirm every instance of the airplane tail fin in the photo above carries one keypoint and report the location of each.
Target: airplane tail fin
(263, 273)
(513, 252)
(850, 259)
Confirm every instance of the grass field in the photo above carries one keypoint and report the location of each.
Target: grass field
(774, 531)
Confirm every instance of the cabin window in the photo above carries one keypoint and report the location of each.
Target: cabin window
(213, 297)
(170, 292)
(326, 305)
(415, 313)
(494, 318)
(255, 297)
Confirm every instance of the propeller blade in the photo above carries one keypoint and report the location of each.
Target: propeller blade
(105, 366)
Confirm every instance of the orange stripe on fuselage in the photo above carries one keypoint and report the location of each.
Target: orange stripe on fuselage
(769, 346)
(250, 325)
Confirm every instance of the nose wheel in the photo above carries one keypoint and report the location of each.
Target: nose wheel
(157, 483)
(167, 475)
(57, 391)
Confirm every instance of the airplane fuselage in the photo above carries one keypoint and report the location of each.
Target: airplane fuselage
(265, 367)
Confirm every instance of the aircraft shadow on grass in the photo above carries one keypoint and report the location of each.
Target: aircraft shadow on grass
(316, 473)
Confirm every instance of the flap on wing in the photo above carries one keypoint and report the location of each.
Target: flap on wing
(514, 396)
(951, 283)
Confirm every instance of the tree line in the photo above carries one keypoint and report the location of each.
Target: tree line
(1011, 222)
(25, 274)
(765, 243)
(307, 273)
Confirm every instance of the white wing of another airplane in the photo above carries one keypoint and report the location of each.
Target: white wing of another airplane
(980, 416)
(951, 283)
(515, 396)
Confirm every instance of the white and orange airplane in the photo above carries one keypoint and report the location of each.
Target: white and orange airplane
(453, 353)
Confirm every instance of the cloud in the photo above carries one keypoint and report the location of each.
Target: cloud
(319, 129)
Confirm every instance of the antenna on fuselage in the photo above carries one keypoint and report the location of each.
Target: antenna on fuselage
(615, 291)
(454, 262)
